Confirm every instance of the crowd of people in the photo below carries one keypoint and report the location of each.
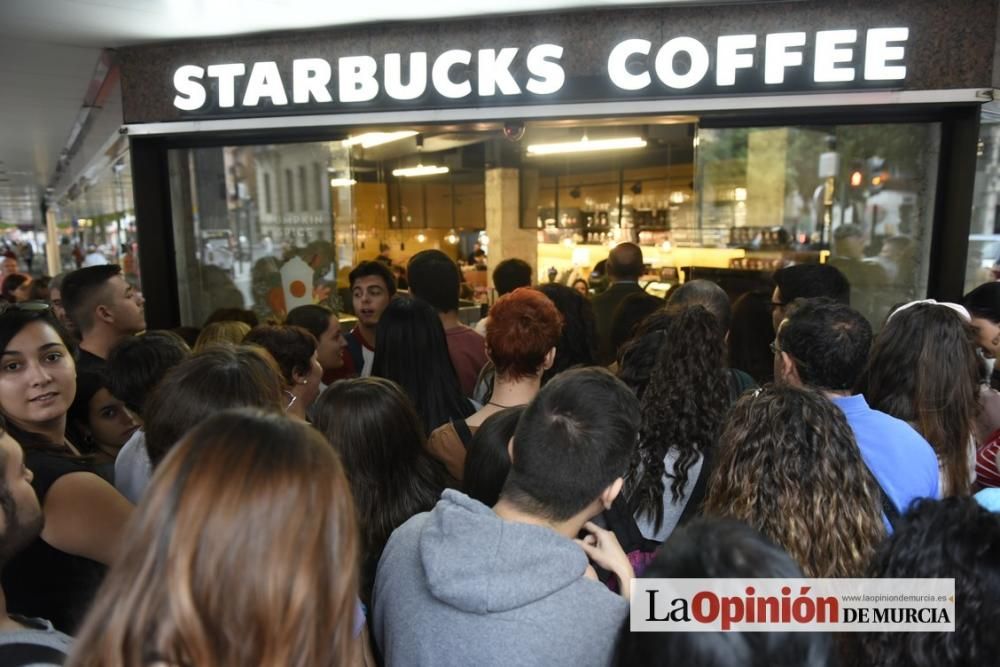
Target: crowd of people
(417, 492)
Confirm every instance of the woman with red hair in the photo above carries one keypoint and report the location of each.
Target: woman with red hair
(521, 336)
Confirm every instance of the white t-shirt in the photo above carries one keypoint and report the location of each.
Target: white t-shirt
(133, 469)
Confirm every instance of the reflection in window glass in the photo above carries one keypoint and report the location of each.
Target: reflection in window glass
(860, 197)
(983, 262)
(267, 193)
(289, 191)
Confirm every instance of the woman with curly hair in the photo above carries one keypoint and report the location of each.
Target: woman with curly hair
(788, 466)
(683, 408)
(923, 369)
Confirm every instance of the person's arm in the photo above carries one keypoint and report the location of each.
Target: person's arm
(85, 516)
(602, 547)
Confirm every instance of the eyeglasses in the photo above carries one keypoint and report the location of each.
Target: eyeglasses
(777, 304)
(774, 347)
(25, 306)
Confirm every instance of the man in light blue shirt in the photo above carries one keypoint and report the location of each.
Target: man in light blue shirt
(824, 345)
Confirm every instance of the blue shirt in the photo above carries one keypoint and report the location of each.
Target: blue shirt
(904, 464)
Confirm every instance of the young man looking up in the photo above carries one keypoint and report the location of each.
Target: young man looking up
(511, 584)
(23, 640)
(824, 345)
(435, 278)
(105, 310)
(372, 288)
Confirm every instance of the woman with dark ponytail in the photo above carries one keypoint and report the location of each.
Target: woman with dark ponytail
(683, 408)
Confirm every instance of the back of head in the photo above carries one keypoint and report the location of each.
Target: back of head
(248, 317)
(511, 274)
(411, 350)
(984, 302)
(786, 457)
(577, 345)
(312, 317)
(282, 523)
(950, 538)
(625, 262)
(368, 268)
(683, 407)
(722, 549)
(435, 278)
(227, 332)
(923, 369)
(219, 378)
(828, 341)
(376, 431)
(573, 440)
(523, 327)
(291, 346)
(138, 363)
(632, 310)
(10, 283)
(487, 459)
(806, 281)
(707, 294)
(751, 331)
(83, 290)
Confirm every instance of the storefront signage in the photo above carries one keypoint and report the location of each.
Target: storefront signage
(781, 61)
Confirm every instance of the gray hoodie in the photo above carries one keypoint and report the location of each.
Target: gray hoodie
(460, 586)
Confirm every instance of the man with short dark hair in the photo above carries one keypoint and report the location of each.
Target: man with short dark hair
(807, 281)
(511, 585)
(507, 277)
(135, 366)
(625, 267)
(104, 308)
(372, 288)
(435, 278)
(824, 345)
(23, 641)
(707, 294)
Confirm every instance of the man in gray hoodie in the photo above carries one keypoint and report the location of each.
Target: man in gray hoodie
(467, 585)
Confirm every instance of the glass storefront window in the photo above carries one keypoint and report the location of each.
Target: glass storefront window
(983, 261)
(860, 197)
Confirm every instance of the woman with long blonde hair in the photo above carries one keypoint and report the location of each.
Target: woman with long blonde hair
(242, 552)
(789, 467)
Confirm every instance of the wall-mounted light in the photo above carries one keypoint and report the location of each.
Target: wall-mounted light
(420, 170)
(586, 145)
(421, 238)
(342, 182)
(451, 237)
(372, 139)
(677, 197)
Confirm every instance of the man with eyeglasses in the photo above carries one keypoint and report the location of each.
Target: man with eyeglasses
(807, 281)
(824, 345)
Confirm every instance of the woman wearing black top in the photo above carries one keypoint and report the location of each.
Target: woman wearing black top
(55, 577)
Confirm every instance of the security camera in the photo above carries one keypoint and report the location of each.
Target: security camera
(513, 130)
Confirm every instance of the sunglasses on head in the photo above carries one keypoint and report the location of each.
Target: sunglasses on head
(25, 306)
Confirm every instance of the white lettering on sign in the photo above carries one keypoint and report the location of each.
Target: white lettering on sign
(357, 78)
(878, 53)
(265, 81)
(618, 61)
(729, 59)
(777, 57)
(829, 55)
(190, 94)
(416, 86)
(665, 57)
(680, 63)
(440, 74)
(310, 78)
(547, 75)
(226, 74)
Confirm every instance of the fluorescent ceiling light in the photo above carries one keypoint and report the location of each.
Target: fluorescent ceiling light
(586, 146)
(420, 170)
(370, 139)
(341, 182)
